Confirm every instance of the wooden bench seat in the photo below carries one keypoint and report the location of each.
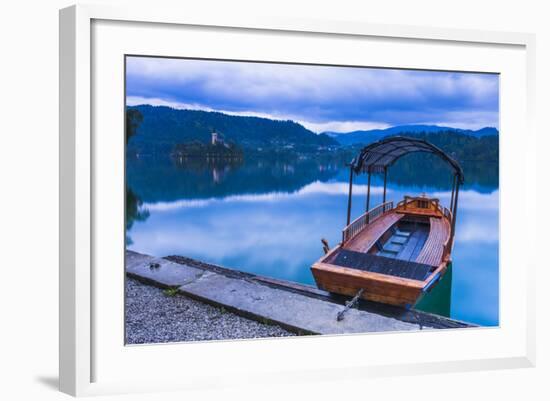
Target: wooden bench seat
(432, 252)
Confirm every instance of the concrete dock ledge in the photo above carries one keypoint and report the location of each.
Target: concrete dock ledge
(299, 308)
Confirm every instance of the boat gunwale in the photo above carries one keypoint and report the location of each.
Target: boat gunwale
(370, 211)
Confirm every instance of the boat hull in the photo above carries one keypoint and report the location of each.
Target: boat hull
(377, 287)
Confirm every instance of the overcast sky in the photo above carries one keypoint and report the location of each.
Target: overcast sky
(321, 98)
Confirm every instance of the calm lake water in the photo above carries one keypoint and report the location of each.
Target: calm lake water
(267, 217)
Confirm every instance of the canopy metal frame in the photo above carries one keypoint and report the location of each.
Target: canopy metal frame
(379, 156)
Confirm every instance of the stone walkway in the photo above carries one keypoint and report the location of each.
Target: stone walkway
(249, 298)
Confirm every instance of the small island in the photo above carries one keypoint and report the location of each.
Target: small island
(217, 149)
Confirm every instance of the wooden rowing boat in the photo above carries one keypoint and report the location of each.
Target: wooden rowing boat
(392, 254)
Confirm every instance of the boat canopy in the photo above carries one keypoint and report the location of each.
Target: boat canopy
(378, 156)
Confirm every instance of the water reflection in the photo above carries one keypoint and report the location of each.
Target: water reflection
(268, 217)
(165, 180)
(134, 212)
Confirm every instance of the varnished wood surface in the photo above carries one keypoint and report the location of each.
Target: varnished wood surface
(363, 241)
(420, 212)
(378, 287)
(432, 252)
(412, 206)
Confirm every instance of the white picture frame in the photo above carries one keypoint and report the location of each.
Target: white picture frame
(83, 323)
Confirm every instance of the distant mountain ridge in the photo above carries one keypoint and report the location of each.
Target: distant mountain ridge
(369, 136)
(163, 128)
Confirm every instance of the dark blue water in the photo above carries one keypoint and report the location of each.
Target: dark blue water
(267, 217)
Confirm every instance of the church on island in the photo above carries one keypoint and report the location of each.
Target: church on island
(217, 139)
(217, 148)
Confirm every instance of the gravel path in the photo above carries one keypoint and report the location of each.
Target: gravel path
(153, 317)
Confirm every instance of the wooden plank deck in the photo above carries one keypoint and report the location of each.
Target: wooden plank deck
(363, 241)
(432, 252)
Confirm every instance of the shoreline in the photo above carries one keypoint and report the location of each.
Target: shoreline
(290, 307)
